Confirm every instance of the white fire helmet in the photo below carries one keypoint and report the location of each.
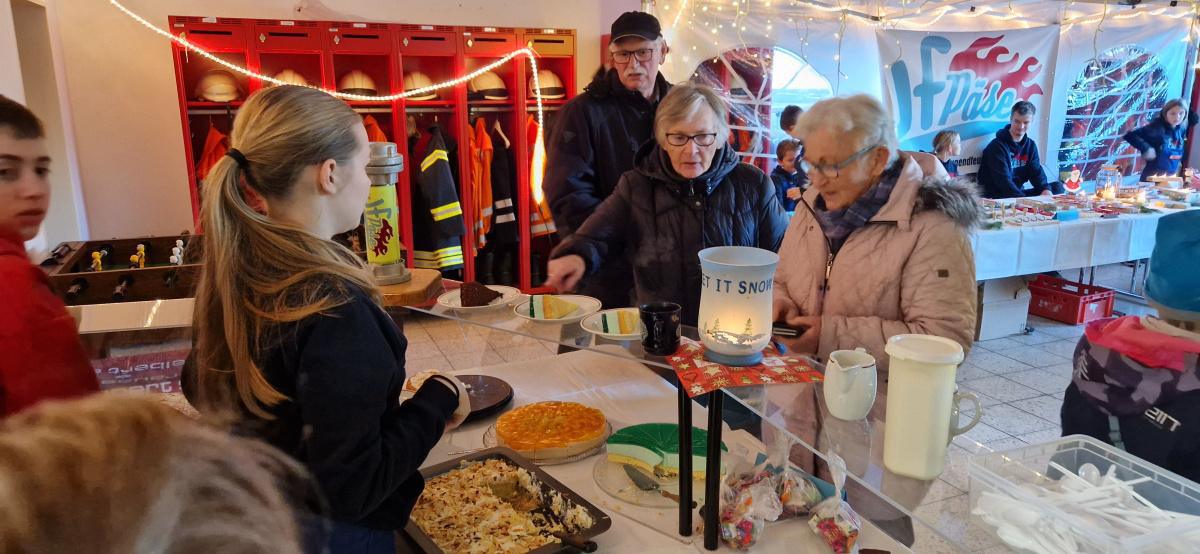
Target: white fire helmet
(551, 86)
(416, 80)
(218, 85)
(487, 86)
(290, 77)
(357, 82)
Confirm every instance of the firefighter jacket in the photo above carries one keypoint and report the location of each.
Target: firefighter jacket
(437, 215)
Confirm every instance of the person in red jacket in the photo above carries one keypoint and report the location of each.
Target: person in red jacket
(40, 353)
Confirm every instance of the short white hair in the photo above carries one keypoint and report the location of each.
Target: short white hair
(862, 117)
(683, 103)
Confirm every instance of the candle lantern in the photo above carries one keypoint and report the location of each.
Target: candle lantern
(735, 303)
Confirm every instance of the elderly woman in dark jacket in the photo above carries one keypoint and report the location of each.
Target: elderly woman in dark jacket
(687, 192)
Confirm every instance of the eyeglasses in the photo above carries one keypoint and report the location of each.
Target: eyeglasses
(702, 139)
(832, 171)
(642, 55)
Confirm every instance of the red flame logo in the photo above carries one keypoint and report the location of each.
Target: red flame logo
(382, 237)
(983, 58)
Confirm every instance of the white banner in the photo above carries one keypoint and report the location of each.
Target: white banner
(965, 82)
(1143, 62)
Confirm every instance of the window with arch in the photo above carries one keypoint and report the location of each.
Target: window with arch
(759, 83)
(1121, 90)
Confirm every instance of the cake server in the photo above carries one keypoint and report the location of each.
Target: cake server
(647, 483)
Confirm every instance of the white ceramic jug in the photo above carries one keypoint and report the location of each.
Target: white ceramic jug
(920, 401)
(850, 382)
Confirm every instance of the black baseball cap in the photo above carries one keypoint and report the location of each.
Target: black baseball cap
(636, 24)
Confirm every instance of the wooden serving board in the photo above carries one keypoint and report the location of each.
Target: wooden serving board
(425, 285)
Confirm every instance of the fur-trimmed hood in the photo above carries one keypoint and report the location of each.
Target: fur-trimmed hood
(955, 197)
(924, 186)
(911, 269)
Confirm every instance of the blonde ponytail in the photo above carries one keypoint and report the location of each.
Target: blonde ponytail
(258, 272)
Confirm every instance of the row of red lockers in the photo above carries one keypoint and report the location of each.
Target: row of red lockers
(241, 35)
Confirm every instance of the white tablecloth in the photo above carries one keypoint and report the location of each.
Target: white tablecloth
(1073, 244)
(628, 394)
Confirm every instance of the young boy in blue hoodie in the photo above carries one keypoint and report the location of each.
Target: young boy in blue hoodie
(1012, 159)
(789, 179)
(1136, 384)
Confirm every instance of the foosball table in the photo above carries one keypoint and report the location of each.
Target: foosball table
(124, 270)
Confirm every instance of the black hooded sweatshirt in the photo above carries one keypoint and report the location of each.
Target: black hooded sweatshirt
(1007, 165)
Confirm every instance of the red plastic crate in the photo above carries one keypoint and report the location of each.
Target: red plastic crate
(1068, 301)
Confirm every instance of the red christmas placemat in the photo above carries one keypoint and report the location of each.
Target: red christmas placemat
(700, 376)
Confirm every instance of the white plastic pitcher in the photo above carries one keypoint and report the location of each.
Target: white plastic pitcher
(920, 401)
(850, 382)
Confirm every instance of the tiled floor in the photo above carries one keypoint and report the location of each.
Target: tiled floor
(1020, 381)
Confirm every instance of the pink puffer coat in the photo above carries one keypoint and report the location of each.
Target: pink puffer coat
(909, 270)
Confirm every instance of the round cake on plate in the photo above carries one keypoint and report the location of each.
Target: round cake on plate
(552, 429)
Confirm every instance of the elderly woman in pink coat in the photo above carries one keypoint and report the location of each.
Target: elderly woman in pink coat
(879, 245)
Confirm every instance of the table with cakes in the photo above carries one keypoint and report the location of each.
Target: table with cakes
(581, 451)
(584, 419)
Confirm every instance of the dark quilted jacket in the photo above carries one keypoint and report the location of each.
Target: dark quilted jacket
(659, 222)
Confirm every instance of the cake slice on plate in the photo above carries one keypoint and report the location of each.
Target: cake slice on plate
(620, 322)
(546, 306)
(654, 447)
(474, 295)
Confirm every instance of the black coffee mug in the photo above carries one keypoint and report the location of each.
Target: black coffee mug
(661, 331)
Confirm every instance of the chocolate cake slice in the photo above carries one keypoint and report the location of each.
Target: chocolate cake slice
(473, 295)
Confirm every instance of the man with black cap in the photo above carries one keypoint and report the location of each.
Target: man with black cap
(597, 135)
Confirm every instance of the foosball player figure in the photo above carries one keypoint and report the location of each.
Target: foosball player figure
(174, 260)
(133, 261)
(96, 265)
(141, 256)
(177, 252)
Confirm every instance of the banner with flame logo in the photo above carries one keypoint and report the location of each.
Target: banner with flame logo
(965, 82)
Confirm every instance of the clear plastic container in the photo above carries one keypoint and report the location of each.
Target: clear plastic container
(1007, 471)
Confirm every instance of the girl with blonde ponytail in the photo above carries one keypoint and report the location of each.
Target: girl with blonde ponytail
(289, 334)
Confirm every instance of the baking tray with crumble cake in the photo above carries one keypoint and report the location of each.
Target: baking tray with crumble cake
(547, 500)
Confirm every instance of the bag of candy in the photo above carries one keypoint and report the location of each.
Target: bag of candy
(743, 519)
(748, 501)
(798, 494)
(833, 519)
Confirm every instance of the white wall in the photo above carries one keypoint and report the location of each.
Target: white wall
(121, 84)
(11, 84)
(63, 222)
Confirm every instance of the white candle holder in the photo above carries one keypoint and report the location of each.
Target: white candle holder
(735, 303)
